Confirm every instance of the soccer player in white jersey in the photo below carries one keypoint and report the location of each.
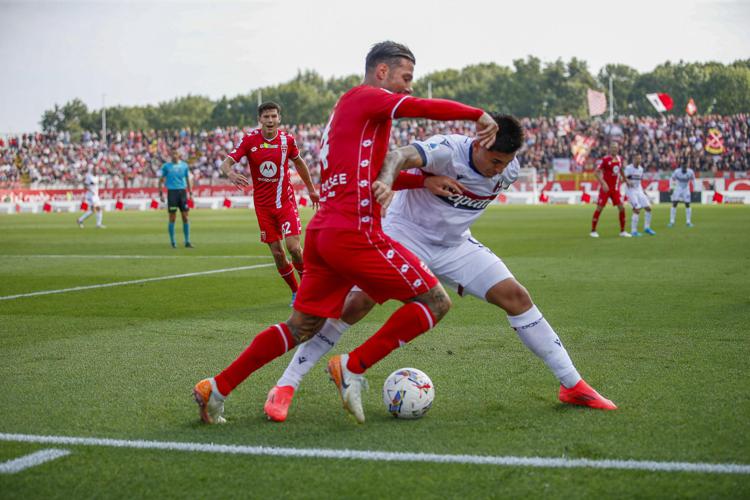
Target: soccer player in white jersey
(94, 204)
(632, 175)
(680, 181)
(437, 230)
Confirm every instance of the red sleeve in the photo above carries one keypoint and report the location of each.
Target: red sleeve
(406, 180)
(241, 150)
(293, 149)
(435, 109)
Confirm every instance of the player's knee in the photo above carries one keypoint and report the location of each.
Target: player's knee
(296, 253)
(357, 305)
(303, 326)
(438, 301)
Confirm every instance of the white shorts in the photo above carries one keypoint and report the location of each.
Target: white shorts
(638, 198)
(93, 200)
(469, 268)
(681, 195)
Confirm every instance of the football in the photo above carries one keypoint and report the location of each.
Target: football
(408, 393)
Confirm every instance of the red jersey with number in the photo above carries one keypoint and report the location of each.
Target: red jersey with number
(354, 145)
(269, 166)
(610, 167)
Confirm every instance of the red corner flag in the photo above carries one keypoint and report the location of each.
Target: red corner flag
(119, 205)
(190, 203)
(84, 206)
(303, 201)
(660, 102)
(691, 108)
(718, 197)
(585, 197)
(154, 204)
(543, 198)
(227, 203)
(47, 207)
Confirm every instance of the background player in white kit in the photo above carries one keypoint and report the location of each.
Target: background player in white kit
(680, 180)
(91, 181)
(632, 175)
(436, 229)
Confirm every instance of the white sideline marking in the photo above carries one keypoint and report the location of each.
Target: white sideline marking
(388, 456)
(62, 256)
(144, 280)
(32, 460)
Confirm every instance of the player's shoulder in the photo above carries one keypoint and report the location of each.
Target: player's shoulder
(289, 136)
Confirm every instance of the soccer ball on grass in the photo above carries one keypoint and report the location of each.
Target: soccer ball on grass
(408, 393)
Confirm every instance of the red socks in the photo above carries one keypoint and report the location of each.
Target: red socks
(595, 220)
(288, 274)
(407, 323)
(265, 347)
(622, 220)
(300, 267)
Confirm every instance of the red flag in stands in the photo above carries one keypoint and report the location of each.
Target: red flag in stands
(660, 102)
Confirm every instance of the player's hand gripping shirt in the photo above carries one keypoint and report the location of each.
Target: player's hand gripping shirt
(445, 220)
(354, 144)
(634, 175)
(269, 166)
(610, 167)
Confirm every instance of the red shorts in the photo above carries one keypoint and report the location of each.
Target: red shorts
(335, 260)
(613, 193)
(278, 223)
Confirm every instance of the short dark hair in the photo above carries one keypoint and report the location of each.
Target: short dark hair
(268, 105)
(387, 52)
(510, 135)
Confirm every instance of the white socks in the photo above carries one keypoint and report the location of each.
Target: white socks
(541, 339)
(310, 352)
(688, 212)
(672, 214)
(85, 216)
(634, 223)
(647, 220)
(99, 216)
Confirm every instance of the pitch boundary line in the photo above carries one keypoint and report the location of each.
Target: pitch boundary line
(31, 460)
(81, 256)
(387, 456)
(133, 282)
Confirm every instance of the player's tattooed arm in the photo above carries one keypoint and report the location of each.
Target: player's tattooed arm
(395, 161)
(237, 179)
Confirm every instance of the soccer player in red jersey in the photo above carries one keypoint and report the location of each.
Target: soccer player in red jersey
(344, 243)
(608, 174)
(268, 151)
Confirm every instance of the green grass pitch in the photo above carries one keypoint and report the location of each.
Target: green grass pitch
(658, 324)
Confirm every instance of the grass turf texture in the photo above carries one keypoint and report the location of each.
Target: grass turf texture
(657, 324)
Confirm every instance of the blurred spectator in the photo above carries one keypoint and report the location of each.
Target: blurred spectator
(132, 158)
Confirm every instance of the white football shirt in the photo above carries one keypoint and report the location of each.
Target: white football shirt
(634, 175)
(683, 178)
(92, 184)
(445, 220)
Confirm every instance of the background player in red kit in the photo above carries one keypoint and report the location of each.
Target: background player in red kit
(608, 174)
(344, 243)
(268, 151)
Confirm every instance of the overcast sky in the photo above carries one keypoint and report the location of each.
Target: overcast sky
(144, 52)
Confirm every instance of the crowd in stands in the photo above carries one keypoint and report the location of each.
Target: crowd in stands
(133, 158)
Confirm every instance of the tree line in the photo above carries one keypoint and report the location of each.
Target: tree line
(529, 88)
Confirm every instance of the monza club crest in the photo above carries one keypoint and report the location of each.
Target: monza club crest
(268, 169)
